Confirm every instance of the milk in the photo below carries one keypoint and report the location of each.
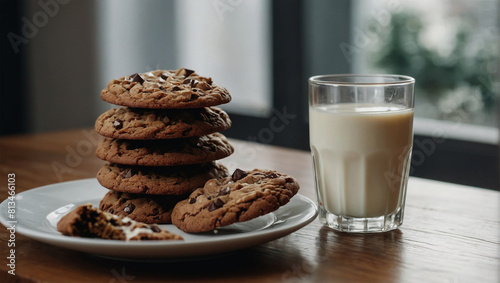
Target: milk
(361, 155)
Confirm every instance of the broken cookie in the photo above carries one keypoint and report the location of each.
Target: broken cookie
(88, 222)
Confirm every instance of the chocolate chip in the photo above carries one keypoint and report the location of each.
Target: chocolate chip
(164, 77)
(111, 211)
(176, 88)
(216, 204)
(193, 83)
(166, 120)
(193, 97)
(118, 124)
(224, 191)
(129, 208)
(129, 173)
(209, 197)
(155, 229)
(188, 72)
(187, 81)
(239, 174)
(192, 200)
(136, 78)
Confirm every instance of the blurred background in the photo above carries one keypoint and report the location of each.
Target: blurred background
(56, 56)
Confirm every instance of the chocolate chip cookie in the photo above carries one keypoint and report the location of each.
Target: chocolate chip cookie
(176, 180)
(143, 208)
(243, 196)
(161, 89)
(165, 152)
(88, 222)
(148, 124)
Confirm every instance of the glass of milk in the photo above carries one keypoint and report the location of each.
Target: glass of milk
(361, 135)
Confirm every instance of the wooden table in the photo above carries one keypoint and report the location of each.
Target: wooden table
(451, 232)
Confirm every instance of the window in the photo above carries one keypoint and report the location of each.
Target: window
(230, 41)
(449, 47)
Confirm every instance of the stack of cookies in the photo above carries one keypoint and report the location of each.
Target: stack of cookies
(162, 143)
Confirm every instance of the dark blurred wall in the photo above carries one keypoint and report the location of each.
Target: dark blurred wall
(61, 67)
(13, 106)
(48, 65)
(57, 55)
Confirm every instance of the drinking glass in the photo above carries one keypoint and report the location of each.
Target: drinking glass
(361, 136)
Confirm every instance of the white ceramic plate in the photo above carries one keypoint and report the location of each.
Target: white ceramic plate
(38, 211)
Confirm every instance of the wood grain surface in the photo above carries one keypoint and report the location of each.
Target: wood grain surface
(451, 233)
